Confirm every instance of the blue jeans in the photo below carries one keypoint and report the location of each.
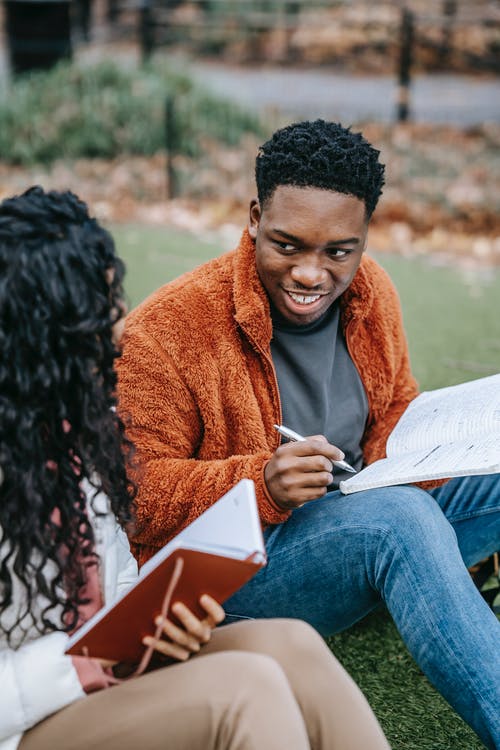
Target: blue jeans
(337, 557)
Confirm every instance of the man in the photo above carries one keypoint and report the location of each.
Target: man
(298, 326)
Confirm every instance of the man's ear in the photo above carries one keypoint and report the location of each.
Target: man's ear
(254, 218)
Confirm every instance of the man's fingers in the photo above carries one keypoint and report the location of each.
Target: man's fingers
(324, 448)
(291, 483)
(304, 465)
(317, 445)
(318, 479)
(301, 471)
(301, 497)
(315, 464)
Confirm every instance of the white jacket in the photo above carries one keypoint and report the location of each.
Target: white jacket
(37, 679)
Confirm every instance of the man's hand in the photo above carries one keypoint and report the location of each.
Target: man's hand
(179, 642)
(301, 471)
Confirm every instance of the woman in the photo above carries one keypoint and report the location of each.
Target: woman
(64, 502)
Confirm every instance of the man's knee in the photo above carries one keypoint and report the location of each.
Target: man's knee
(400, 519)
(404, 507)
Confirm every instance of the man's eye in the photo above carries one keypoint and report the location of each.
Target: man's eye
(338, 252)
(286, 247)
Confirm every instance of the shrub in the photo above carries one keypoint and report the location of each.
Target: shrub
(102, 111)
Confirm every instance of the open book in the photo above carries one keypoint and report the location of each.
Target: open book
(449, 432)
(221, 550)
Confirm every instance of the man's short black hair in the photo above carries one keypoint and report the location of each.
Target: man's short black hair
(322, 155)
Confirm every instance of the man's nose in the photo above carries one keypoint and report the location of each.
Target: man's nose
(309, 273)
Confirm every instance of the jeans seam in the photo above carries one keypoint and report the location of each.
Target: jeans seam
(476, 514)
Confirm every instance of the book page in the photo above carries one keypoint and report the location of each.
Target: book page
(471, 456)
(448, 414)
(231, 523)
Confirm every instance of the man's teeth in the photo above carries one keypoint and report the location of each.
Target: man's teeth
(303, 299)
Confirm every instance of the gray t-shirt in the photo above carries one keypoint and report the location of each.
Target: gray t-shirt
(320, 388)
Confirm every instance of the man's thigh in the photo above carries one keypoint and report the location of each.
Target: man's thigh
(321, 561)
(472, 506)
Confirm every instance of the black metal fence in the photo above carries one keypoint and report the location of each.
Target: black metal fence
(445, 33)
(435, 35)
(397, 35)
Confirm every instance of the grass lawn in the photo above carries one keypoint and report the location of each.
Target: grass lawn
(453, 322)
(453, 328)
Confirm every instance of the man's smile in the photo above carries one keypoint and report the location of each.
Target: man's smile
(303, 299)
(302, 305)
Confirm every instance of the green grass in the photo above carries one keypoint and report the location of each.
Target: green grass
(412, 713)
(452, 321)
(449, 320)
(156, 255)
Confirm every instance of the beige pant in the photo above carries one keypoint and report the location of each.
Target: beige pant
(258, 685)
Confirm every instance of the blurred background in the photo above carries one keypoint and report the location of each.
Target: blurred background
(152, 112)
(153, 109)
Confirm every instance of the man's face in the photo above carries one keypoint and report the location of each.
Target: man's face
(308, 246)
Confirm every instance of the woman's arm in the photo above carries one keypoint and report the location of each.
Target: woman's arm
(37, 680)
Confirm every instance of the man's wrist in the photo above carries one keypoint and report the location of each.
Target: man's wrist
(270, 499)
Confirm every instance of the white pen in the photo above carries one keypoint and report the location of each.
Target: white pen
(292, 435)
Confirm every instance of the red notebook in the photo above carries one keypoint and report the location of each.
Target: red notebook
(221, 550)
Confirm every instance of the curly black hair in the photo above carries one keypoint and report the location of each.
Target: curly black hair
(60, 294)
(323, 155)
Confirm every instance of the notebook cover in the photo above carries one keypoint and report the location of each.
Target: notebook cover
(119, 633)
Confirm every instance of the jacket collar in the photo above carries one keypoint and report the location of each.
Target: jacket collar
(252, 311)
(357, 301)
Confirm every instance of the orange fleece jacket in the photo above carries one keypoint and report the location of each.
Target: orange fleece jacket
(198, 389)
